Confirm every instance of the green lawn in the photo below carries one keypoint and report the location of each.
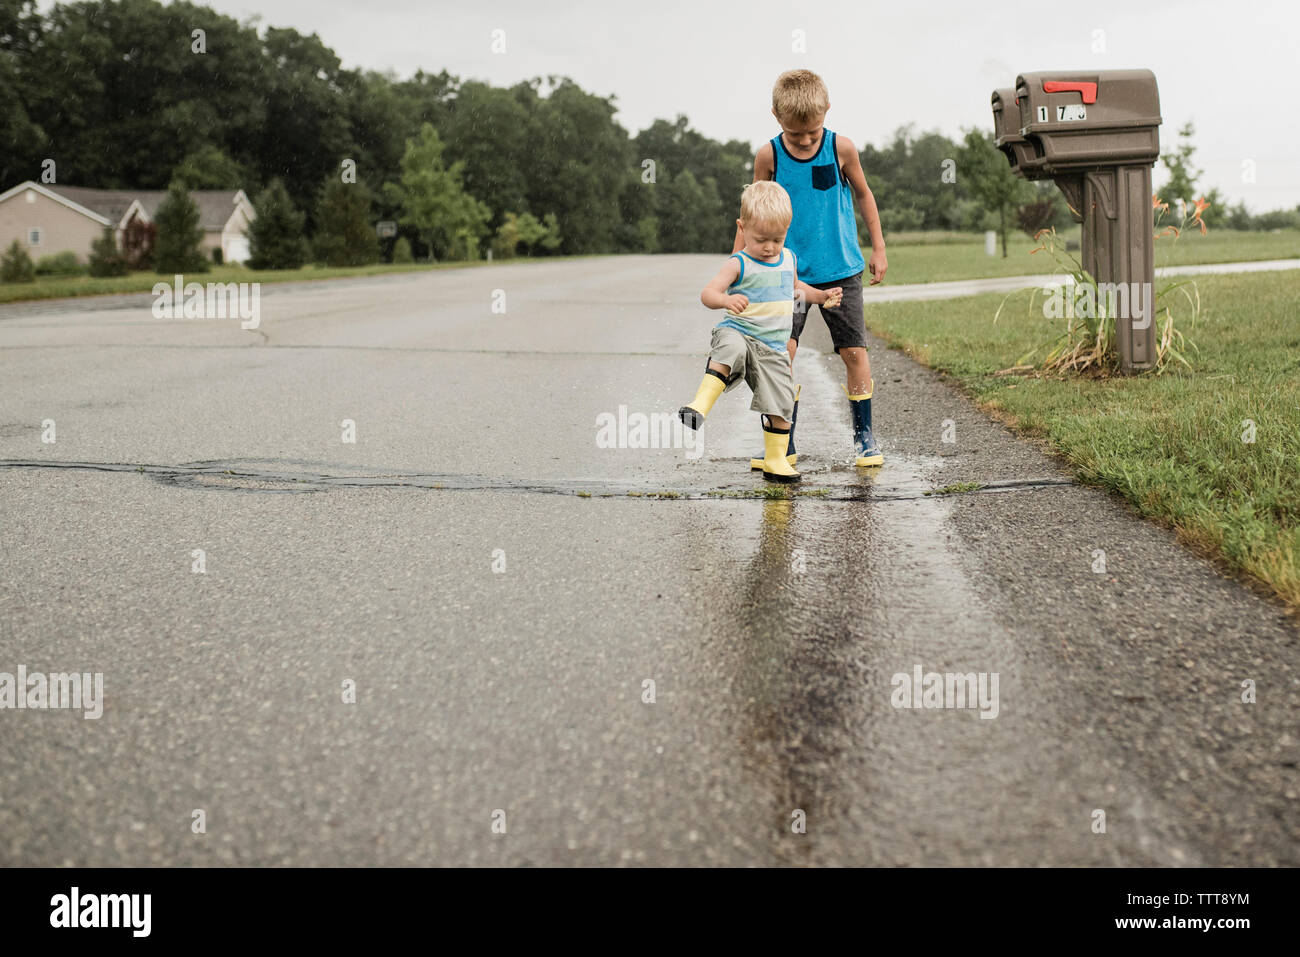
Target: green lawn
(1171, 444)
(917, 258)
(61, 287)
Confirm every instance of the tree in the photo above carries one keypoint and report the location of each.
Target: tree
(105, 259)
(550, 240)
(1239, 217)
(989, 178)
(16, 265)
(344, 233)
(1035, 215)
(176, 246)
(528, 230)
(432, 199)
(402, 251)
(306, 113)
(209, 168)
(116, 85)
(1182, 174)
(275, 235)
(22, 141)
(674, 148)
(510, 234)
(578, 164)
(911, 178)
(688, 209)
(1278, 219)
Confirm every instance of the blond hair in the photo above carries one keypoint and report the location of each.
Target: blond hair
(799, 95)
(766, 203)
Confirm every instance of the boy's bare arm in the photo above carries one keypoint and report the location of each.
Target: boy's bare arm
(818, 297)
(762, 170)
(714, 295)
(851, 163)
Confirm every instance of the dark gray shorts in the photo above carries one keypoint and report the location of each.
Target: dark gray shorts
(847, 328)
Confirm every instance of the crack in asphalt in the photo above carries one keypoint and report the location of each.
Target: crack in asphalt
(221, 476)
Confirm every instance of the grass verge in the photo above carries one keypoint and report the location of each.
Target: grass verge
(949, 256)
(1175, 446)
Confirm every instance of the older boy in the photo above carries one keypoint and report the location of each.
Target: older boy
(823, 176)
(755, 288)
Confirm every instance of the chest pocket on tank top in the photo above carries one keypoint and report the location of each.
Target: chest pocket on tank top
(823, 177)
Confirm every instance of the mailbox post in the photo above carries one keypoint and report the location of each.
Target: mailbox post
(1096, 134)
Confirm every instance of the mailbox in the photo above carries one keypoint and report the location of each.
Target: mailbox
(1096, 133)
(1081, 119)
(1006, 124)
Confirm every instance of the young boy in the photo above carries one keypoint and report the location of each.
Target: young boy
(823, 176)
(755, 288)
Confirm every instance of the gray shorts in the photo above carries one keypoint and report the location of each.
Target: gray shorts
(764, 370)
(847, 328)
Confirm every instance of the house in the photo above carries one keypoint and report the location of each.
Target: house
(49, 219)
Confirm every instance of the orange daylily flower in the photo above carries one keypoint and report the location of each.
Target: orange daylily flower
(1169, 231)
(1201, 206)
(1156, 204)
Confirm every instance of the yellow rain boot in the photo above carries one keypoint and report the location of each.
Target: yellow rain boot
(791, 455)
(692, 414)
(776, 468)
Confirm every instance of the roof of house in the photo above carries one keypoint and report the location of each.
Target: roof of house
(112, 204)
(216, 206)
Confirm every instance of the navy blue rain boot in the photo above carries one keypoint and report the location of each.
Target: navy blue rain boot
(868, 451)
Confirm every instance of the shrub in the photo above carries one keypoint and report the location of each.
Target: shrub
(105, 259)
(16, 265)
(138, 242)
(402, 251)
(60, 264)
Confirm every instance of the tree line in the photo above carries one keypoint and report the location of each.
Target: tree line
(136, 95)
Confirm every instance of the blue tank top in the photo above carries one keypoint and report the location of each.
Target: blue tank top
(823, 232)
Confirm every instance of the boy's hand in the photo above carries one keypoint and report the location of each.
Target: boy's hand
(877, 264)
(736, 303)
(833, 297)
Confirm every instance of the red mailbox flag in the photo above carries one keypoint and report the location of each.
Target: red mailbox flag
(1086, 87)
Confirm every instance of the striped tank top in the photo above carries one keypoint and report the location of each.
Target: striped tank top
(769, 287)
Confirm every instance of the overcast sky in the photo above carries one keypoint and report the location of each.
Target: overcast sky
(1231, 67)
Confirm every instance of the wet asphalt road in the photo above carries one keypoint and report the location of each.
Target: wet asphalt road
(771, 629)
